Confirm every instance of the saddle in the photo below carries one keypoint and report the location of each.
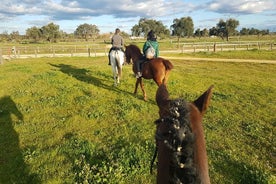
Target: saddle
(117, 49)
(144, 60)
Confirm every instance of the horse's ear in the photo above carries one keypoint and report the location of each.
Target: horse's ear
(162, 99)
(203, 101)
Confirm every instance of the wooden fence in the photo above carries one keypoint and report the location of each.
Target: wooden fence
(54, 51)
(93, 50)
(222, 46)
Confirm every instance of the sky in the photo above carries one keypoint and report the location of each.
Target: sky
(107, 15)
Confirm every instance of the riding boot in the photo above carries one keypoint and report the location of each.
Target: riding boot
(109, 60)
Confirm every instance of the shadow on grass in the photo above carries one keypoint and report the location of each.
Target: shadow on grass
(13, 169)
(237, 171)
(83, 75)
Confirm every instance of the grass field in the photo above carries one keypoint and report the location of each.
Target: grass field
(63, 121)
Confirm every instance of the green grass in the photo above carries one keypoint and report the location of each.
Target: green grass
(63, 121)
(248, 54)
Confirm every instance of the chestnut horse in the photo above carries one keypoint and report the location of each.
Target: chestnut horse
(157, 69)
(180, 143)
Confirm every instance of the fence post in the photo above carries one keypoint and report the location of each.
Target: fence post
(1, 58)
(88, 52)
(54, 53)
(214, 47)
(14, 51)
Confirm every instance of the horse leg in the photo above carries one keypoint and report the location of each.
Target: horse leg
(143, 90)
(115, 76)
(136, 85)
(119, 74)
(139, 81)
(115, 80)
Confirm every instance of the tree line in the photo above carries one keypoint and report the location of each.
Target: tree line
(182, 27)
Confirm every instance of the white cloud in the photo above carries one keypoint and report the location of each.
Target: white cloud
(241, 6)
(70, 11)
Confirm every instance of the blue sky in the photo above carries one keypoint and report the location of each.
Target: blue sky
(19, 15)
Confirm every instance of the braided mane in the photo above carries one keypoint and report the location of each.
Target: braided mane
(179, 139)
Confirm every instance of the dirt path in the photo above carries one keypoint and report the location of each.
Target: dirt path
(224, 60)
(5, 57)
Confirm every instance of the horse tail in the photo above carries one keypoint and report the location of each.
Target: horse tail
(168, 64)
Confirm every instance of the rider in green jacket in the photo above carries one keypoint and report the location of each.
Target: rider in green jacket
(151, 42)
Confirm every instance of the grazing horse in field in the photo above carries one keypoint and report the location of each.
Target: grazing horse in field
(117, 59)
(180, 143)
(157, 69)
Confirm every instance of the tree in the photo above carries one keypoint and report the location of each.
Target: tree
(197, 33)
(145, 25)
(87, 30)
(201, 33)
(225, 29)
(51, 32)
(34, 33)
(183, 27)
(204, 32)
(136, 30)
(213, 31)
(15, 36)
(5, 36)
(244, 31)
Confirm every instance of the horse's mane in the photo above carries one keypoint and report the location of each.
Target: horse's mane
(135, 48)
(180, 141)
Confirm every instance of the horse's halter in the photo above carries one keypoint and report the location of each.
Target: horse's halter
(174, 131)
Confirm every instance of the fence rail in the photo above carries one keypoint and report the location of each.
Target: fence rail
(93, 50)
(214, 47)
(54, 51)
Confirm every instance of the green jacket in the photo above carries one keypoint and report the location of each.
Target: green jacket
(154, 44)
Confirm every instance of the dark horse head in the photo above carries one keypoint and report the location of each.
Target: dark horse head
(182, 156)
(132, 52)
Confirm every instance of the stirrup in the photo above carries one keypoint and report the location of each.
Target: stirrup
(138, 75)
